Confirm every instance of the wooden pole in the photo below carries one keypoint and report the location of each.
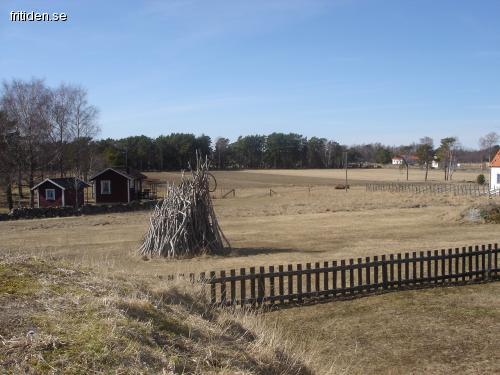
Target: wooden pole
(345, 165)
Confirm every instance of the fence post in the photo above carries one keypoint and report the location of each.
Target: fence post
(421, 266)
(368, 273)
(400, 277)
(213, 298)
(495, 260)
(299, 281)
(325, 279)
(443, 265)
(233, 287)
(391, 271)
(342, 276)
(469, 264)
(476, 269)
(384, 272)
(223, 287)
(489, 261)
(414, 265)
(271, 284)
(308, 279)
(360, 276)
(351, 275)
(429, 272)
(316, 279)
(281, 284)
(334, 278)
(261, 285)
(407, 269)
(483, 261)
(252, 285)
(243, 289)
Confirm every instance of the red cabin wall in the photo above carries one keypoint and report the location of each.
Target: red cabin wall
(69, 198)
(43, 202)
(119, 188)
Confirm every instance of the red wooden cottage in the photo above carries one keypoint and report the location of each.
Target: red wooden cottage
(115, 185)
(60, 192)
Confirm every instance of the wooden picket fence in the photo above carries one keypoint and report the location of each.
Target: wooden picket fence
(423, 188)
(350, 278)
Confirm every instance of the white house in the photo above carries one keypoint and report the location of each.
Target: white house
(495, 172)
(397, 160)
(435, 164)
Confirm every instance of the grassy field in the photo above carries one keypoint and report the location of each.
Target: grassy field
(440, 330)
(303, 177)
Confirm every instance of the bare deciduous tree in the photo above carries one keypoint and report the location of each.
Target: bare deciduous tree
(488, 141)
(8, 140)
(83, 124)
(27, 105)
(447, 153)
(425, 153)
(62, 106)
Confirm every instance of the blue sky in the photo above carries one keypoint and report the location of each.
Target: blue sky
(355, 71)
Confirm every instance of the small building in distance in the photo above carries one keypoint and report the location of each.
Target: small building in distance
(400, 160)
(435, 164)
(116, 185)
(60, 192)
(495, 172)
(397, 160)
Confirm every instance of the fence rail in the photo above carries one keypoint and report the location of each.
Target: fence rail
(353, 277)
(455, 189)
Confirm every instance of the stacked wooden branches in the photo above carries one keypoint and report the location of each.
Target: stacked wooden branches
(184, 223)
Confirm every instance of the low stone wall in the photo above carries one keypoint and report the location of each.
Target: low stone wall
(40, 213)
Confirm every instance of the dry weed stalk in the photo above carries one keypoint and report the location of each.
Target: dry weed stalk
(184, 223)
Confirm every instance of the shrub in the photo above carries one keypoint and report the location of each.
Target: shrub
(481, 179)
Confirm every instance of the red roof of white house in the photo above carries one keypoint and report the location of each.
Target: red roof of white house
(397, 158)
(496, 160)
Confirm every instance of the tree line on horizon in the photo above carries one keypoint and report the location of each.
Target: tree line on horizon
(51, 131)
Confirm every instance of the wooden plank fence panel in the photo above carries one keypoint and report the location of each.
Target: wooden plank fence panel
(349, 277)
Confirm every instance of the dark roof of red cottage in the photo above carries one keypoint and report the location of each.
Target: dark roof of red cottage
(65, 183)
(129, 173)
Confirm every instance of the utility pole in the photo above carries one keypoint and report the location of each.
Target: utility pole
(345, 166)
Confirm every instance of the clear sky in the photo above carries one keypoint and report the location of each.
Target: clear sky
(355, 71)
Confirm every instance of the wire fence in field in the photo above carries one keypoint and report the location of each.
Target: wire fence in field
(455, 189)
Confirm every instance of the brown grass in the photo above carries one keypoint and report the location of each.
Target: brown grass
(303, 177)
(450, 330)
(57, 319)
(295, 225)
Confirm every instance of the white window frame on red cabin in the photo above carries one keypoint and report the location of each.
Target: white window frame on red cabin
(53, 191)
(108, 182)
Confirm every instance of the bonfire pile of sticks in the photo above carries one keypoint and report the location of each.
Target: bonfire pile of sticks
(184, 223)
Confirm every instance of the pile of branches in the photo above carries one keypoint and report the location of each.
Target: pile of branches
(184, 223)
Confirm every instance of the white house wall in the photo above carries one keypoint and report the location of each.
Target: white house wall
(495, 178)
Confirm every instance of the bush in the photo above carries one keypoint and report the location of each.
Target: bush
(481, 179)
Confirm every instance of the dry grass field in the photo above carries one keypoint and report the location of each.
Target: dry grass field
(304, 177)
(439, 330)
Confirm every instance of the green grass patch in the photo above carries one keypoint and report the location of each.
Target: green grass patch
(17, 280)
